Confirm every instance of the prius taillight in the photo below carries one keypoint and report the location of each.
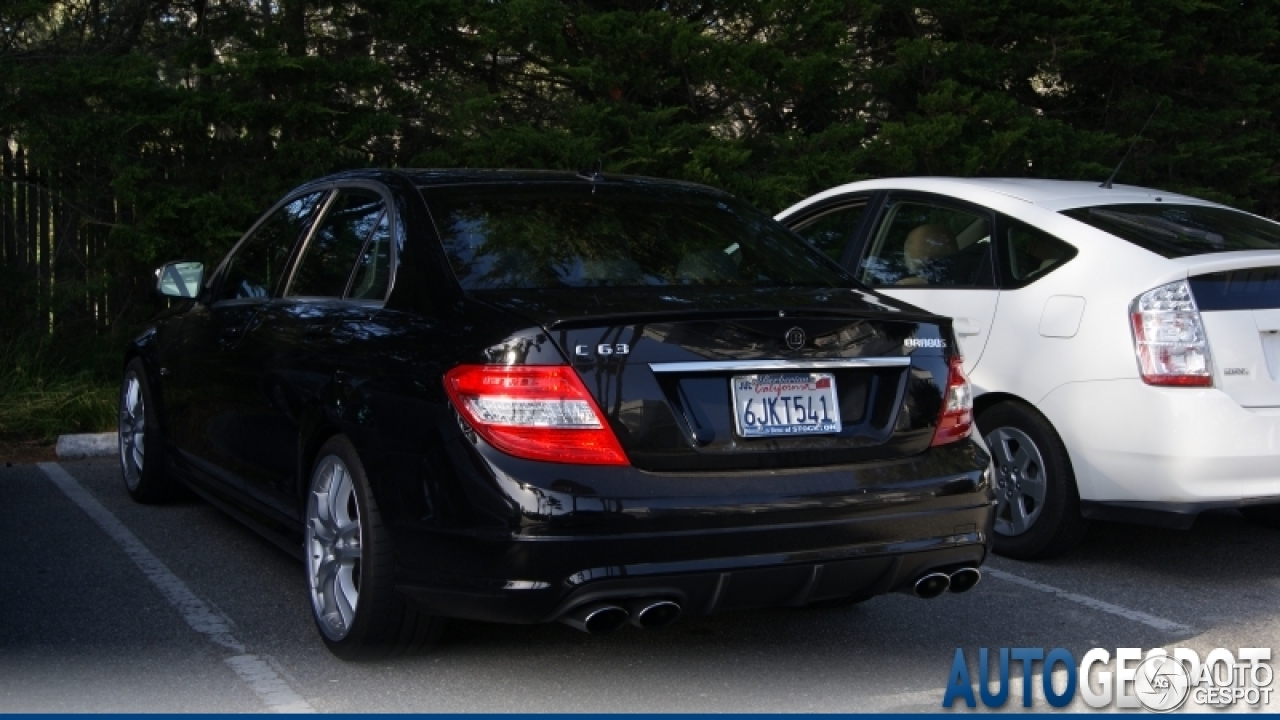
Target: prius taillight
(536, 412)
(1169, 337)
(955, 421)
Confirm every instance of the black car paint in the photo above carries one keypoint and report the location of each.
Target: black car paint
(248, 391)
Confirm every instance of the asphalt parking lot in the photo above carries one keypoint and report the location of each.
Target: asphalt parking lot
(111, 606)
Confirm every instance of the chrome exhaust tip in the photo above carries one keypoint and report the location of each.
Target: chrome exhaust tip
(964, 579)
(595, 619)
(654, 614)
(932, 585)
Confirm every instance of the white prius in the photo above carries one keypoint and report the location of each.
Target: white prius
(1123, 343)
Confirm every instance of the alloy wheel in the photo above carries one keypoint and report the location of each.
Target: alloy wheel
(133, 425)
(1020, 480)
(333, 544)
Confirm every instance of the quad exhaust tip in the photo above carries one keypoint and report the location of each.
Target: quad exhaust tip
(600, 618)
(654, 614)
(596, 618)
(932, 585)
(964, 579)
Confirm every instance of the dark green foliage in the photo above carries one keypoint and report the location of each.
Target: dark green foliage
(57, 386)
(159, 129)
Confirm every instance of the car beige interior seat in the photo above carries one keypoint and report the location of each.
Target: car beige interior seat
(1042, 254)
(924, 244)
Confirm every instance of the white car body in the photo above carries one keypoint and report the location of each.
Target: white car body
(1064, 344)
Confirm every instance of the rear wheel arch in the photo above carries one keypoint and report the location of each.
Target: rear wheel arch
(311, 439)
(986, 401)
(377, 620)
(1060, 525)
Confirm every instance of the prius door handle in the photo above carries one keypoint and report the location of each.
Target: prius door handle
(966, 326)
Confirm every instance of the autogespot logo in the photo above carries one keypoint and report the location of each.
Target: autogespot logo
(1157, 680)
(1161, 683)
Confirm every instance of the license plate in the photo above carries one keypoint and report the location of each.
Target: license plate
(785, 404)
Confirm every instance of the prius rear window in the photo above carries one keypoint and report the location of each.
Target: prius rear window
(1176, 231)
(585, 235)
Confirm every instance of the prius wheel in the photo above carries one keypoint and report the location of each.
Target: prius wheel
(139, 431)
(350, 569)
(1037, 504)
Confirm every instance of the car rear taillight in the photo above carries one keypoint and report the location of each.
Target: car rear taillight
(536, 412)
(955, 422)
(1169, 337)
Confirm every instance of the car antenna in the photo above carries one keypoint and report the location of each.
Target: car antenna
(1107, 184)
(595, 174)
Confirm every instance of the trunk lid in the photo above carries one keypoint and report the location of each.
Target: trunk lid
(1238, 295)
(662, 362)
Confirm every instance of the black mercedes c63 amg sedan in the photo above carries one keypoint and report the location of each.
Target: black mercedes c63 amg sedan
(526, 397)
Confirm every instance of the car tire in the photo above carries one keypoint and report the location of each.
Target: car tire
(1038, 506)
(139, 431)
(1265, 515)
(350, 565)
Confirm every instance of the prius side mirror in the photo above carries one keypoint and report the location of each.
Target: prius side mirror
(180, 279)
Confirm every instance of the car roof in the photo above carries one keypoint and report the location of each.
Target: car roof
(428, 177)
(1052, 195)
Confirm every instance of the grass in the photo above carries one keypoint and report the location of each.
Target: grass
(51, 386)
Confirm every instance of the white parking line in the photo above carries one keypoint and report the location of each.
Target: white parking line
(254, 670)
(1106, 607)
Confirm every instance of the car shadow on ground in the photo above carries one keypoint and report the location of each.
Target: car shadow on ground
(1221, 545)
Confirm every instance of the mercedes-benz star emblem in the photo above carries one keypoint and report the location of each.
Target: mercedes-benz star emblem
(795, 338)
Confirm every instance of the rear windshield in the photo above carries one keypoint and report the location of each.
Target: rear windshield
(584, 235)
(1181, 230)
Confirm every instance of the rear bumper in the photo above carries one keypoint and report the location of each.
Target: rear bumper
(822, 533)
(1178, 516)
(708, 585)
(1165, 450)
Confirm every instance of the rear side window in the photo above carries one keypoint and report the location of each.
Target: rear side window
(831, 231)
(373, 267)
(337, 244)
(1175, 231)
(1030, 254)
(511, 237)
(920, 244)
(256, 264)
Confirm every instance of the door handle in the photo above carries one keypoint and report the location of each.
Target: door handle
(966, 326)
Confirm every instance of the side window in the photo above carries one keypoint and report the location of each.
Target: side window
(373, 267)
(337, 244)
(1029, 254)
(257, 263)
(831, 230)
(926, 245)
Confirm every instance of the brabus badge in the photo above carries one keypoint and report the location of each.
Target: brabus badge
(795, 338)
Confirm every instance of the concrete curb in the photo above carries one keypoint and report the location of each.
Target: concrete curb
(86, 445)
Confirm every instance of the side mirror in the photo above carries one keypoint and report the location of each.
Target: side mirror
(180, 279)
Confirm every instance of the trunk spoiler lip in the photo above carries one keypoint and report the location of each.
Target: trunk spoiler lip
(903, 312)
(1222, 262)
(633, 318)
